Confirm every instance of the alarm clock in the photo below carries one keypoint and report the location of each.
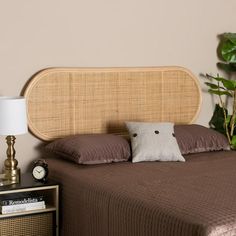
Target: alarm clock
(40, 170)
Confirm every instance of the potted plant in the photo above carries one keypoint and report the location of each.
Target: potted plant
(221, 120)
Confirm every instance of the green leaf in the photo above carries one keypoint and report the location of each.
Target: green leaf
(228, 51)
(228, 118)
(233, 141)
(214, 86)
(229, 84)
(217, 120)
(217, 92)
(211, 85)
(217, 78)
(208, 76)
(230, 67)
(231, 37)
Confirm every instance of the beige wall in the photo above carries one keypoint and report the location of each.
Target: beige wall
(38, 34)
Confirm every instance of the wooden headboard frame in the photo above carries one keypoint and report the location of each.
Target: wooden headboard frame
(66, 101)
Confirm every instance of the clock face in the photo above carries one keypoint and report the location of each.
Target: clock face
(39, 172)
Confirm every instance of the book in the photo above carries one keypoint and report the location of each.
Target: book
(21, 198)
(22, 207)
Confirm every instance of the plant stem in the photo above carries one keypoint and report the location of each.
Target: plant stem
(232, 122)
(225, 118)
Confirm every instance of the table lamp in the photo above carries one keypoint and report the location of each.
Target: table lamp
(13, 122)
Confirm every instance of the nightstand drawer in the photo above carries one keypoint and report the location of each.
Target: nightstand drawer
(42, 224)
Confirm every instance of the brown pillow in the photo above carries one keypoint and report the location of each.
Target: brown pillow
(92, 148)
(197, 138)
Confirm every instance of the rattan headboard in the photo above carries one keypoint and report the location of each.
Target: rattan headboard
(66, 101)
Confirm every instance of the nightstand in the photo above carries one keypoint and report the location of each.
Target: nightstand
(42, 222)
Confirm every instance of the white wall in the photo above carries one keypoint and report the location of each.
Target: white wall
(39, 34)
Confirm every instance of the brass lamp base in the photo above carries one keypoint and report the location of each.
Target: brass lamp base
(11, 174)
(9, 177)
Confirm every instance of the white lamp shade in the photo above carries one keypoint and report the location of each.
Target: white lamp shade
(13, 119)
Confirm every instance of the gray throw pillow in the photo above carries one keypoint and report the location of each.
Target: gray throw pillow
(153, 142)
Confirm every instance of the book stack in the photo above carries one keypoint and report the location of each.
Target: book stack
(21, 204)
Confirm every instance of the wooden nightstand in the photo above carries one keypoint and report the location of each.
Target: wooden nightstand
(43, 222)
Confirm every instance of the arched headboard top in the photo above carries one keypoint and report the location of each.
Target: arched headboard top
(67, 101)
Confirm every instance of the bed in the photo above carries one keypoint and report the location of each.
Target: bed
(196, 197)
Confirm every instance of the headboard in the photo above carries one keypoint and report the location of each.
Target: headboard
(66, 101)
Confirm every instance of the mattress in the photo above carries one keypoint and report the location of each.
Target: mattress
(197, 197)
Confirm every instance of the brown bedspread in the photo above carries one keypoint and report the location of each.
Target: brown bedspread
(197, 197)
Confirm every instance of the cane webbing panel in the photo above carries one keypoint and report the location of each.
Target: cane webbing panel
(66, 101)
(30, 225)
